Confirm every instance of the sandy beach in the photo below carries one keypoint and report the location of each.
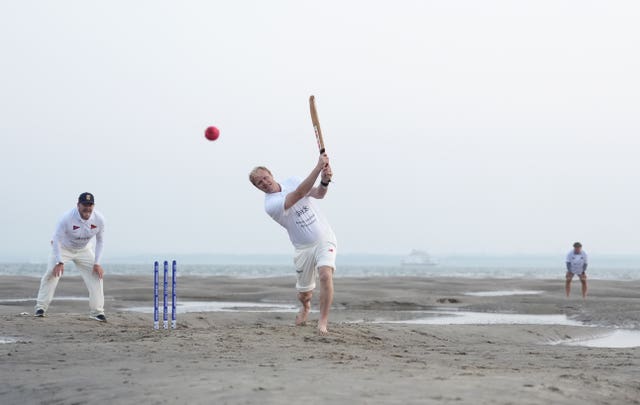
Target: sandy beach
(262, 358)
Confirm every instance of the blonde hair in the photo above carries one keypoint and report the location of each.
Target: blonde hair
(254, 172)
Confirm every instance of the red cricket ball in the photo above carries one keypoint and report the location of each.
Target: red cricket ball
(212, 133)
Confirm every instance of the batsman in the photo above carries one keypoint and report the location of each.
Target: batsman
(290, 203)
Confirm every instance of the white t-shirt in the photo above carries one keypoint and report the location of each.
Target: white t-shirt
(73, 232)
(303, 221)
(577, 261)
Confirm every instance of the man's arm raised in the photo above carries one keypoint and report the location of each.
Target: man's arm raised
(320, 191)
(307, 184)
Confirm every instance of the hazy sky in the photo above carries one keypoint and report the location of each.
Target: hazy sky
(453, 126)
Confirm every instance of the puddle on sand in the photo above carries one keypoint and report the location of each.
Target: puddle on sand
(503, 293)
(5, 340)
(485, 318)
(616, 339)
(220, 306)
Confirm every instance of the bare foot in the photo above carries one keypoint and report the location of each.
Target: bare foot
(322, 328)
(301, 318)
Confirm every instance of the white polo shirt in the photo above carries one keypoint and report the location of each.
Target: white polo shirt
(577, 261)
(75, 233)
(303, 221)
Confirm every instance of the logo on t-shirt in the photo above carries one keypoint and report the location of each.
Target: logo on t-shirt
(302, 210)
(93, 226)
(75, 227)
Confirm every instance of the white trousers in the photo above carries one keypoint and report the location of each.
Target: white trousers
(84, 260)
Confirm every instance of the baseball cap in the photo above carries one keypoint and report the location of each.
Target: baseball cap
(86, 198)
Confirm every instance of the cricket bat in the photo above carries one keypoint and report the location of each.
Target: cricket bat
(316, 124)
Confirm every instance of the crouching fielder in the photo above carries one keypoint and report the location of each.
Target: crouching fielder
(290, 204)
(71, 244)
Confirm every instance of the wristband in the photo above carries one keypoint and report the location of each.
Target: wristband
(323, 184)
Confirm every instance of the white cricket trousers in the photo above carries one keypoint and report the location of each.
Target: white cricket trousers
(84, 260)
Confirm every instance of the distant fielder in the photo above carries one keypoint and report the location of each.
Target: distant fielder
(577, 264)
(290, 204)
(71, 244)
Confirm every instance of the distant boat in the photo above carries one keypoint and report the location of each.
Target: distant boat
(418, 258)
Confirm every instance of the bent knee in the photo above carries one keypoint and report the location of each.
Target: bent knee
(569, 276)
(305, 296)
(325, 274)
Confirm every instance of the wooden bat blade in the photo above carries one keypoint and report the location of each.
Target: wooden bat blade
(316, 124)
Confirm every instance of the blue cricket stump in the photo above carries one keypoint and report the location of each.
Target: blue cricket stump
(165, 313)
(155, 296)
(173, 294)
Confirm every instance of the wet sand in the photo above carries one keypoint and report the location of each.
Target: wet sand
(262, 358)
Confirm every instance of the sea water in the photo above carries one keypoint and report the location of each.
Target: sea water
(468, 267)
